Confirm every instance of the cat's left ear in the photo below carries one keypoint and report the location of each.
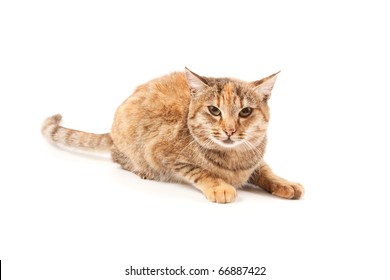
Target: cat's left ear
(195, 82)
(264, 86)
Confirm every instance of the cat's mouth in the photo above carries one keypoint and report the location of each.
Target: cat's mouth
(226, 143)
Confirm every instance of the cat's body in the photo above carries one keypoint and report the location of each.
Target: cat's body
(185, 128)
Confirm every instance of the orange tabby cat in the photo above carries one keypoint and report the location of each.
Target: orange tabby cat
(209, 132)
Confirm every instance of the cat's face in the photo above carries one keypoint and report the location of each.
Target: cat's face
(228, 113)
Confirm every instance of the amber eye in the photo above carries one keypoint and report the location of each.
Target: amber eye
(245, 112)
(214, 110)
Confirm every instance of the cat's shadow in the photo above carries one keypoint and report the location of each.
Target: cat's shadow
(106, 157)
(84, 153)
(250, 188)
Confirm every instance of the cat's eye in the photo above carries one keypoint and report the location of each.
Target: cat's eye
(214, 110)
(245, 112)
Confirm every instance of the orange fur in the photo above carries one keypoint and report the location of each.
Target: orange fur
(191, 129)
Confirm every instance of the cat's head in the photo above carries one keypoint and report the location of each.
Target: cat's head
(228, 113)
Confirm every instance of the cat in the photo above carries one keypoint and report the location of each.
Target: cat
(186, 128)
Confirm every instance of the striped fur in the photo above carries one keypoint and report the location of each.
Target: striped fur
(191, 129)
(55, 133)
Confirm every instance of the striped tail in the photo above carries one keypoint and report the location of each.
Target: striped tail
(53, 132)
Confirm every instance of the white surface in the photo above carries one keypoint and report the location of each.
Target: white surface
(71, 216)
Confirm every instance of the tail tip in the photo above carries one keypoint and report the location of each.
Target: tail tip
(51, 122)
(56, 118)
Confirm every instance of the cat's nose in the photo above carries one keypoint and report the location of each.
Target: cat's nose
(229, 131)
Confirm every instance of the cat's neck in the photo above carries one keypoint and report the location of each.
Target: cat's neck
(242, 157)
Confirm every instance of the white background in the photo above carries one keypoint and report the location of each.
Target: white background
(77, 216)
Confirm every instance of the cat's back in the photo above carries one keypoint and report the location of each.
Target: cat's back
(160, 103)
(169, 88)
(160, 97)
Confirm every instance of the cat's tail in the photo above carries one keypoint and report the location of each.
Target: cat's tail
(53, 132)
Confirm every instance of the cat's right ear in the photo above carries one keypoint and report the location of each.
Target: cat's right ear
(195, 82)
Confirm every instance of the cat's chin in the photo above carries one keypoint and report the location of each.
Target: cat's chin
(227, 144)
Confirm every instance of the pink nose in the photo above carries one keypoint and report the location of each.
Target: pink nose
(229, 131)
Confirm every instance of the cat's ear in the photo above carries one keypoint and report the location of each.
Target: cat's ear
(264, 86)
(195, 82)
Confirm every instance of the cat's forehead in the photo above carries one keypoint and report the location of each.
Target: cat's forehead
(228, 91)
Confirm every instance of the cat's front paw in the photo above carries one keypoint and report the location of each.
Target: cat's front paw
(287, 189)
(221, 194)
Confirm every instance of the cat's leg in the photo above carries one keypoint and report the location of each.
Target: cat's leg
(127, 164)
(121, 158)
(266, 179)
(215, 189)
